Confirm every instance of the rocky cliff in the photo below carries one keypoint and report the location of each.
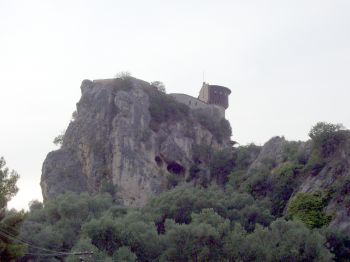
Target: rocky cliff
(282, 170)
(131, 140)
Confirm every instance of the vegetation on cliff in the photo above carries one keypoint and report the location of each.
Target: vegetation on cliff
(249, 210)
(248, 203)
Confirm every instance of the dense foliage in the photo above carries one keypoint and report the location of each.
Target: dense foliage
(327, 137)
(183, 224)
(219, 127)
(242, 207)
(309, 209)
(164, 108)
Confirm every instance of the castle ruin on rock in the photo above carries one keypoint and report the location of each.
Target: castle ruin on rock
(212, 97)
(131, 140)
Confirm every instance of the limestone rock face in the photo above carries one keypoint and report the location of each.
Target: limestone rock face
(110, 145)
(334, 176)
(271, 151)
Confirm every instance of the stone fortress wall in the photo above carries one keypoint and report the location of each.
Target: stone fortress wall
(214, 95)
(196, 104)
(212, 99)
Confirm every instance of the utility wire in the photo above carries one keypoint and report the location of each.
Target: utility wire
(88, 253)
(8, 235)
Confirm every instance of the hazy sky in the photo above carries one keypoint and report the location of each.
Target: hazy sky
(286, 62)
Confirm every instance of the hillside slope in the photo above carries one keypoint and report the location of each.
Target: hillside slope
(307, 180)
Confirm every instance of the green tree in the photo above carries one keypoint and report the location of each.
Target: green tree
(282, 241)
(8, 188)
(308, 208)
(10, 221)
(221, 165)
(57, 225)
(326, 137)
(58, 140)
(159, 86)
(123, 75)
(164, 108)
(124, 254)
(339, 244)
(201, 240)
(84, 244)
(178, 204)
(132, 229)
(219, 127)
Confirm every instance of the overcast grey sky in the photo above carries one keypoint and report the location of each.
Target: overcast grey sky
(286, 62)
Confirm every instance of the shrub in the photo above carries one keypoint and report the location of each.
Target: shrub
(219, 127)
(194, 172)
(221, 165)
(123, 75)
(339, 244)
(74, 115)
(236, 179)
(124, 254)
(108, 187)
(180, 202)
(283, 241)
(58, 140)
(308, 208)
(172, 180)
(258, 183)
(327, 137)
(164, 108)
(290, 151)
(202, 153)
(285, 181)
(123, 81)
(274, 185)
(315, 163)
(245, 155)
(159, 86)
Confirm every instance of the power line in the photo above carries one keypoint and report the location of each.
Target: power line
(85, 253)
(6, 234)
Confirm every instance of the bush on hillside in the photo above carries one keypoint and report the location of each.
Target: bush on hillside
(308, 208)
(58, 140)
(327, 137)
(221, 165)
(123, 81)
(164, 108)
(315, 163)
(219, 127)
(245, 155)
(159, 86)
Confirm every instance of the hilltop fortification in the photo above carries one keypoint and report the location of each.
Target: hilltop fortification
(212, 98)
(134, 141)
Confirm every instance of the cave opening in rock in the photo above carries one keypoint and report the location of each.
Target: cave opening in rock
(176, 168)
(159, 161)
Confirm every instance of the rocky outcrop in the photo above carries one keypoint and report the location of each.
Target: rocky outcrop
(111, 146)
(332, 180)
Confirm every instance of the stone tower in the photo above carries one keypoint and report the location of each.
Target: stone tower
(214, 95)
